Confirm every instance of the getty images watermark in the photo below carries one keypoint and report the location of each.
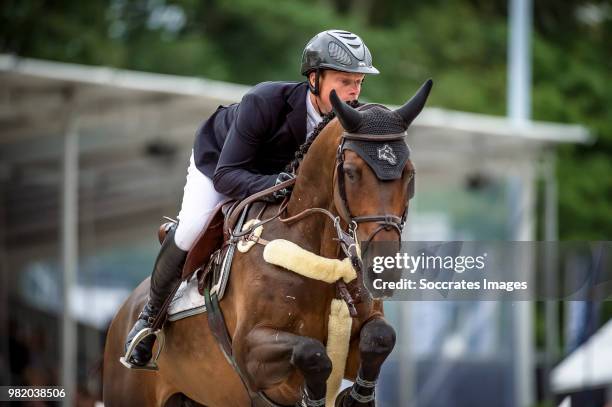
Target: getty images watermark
(489, 270)
(423, 262)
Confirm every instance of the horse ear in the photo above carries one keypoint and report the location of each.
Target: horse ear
(349, 117)
(413, 107)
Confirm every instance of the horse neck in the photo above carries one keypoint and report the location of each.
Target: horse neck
(314, 189)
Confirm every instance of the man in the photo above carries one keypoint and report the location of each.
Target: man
(242, 149)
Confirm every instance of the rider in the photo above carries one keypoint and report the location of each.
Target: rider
(242, 149)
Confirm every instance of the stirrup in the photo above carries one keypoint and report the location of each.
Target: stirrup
(152, 364)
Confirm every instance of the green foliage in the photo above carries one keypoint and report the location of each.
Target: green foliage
(461, 44)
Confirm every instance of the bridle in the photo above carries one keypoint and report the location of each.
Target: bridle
(385, 221)
(348, 238)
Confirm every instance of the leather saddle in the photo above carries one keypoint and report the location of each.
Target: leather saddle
(210, 239)
(217, 230)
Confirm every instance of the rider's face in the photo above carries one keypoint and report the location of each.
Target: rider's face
(347, 86)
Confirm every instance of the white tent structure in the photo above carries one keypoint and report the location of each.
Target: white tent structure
(588, 367)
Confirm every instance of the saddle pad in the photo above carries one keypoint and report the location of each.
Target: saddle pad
(187, 301)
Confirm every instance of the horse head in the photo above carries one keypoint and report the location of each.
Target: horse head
(372, 179)
(374, 176)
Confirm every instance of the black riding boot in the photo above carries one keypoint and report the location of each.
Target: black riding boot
(166, 275)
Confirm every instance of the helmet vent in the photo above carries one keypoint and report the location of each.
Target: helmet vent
(339, 54)
(352, 42)
(345, 34)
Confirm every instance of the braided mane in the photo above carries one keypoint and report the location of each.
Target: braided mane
(303, 149)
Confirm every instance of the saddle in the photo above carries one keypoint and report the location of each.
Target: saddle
(217, 230)
(209, 240)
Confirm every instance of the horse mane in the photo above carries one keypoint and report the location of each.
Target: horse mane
(303, 149)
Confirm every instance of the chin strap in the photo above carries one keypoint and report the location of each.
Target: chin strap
(315, 88)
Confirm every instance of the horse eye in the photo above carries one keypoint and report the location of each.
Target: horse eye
(410, 181)
(351, 173)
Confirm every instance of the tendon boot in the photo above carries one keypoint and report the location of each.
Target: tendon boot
(166, 276)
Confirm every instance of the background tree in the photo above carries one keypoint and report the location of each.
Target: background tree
(462, 44)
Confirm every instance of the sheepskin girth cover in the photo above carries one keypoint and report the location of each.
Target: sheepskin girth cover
(289, 255)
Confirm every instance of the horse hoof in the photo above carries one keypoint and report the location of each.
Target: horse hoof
(341, 396)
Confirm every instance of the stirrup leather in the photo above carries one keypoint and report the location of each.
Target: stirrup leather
(152, 364)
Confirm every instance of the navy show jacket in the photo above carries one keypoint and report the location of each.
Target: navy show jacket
(242, 147)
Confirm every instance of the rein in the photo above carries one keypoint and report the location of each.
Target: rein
(347, 239)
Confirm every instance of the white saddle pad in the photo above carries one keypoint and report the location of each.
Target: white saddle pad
(187, 301)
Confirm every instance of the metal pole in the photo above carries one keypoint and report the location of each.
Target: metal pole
(519, 112)
(407, 363)
(69, 235)
(523, 205)
(5, 376)
(519, 62)
(551, 235)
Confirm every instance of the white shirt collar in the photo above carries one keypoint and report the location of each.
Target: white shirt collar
(312, 116)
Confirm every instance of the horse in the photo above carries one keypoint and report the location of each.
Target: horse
(277, 320)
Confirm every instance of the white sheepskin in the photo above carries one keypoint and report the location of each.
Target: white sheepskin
(243, 245)
(289, 255)
(338, 337)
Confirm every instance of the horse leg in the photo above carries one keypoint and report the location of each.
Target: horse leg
(271, 358)
(376, 341)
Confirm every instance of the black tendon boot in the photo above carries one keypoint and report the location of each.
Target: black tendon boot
(166, 275)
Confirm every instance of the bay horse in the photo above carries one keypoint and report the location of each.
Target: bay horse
(357, 170)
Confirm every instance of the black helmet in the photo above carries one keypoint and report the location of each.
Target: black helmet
(339, 50)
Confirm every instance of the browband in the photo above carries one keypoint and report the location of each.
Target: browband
(374, 137)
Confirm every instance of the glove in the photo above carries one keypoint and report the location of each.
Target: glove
(282, 193)
(282, 177)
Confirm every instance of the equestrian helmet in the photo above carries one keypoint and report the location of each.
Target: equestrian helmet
(339, 50)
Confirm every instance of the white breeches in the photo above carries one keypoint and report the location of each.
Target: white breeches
(199, 199)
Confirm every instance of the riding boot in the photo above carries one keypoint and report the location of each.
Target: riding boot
(166, 275)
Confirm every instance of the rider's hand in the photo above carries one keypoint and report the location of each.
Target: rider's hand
(282, 177)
